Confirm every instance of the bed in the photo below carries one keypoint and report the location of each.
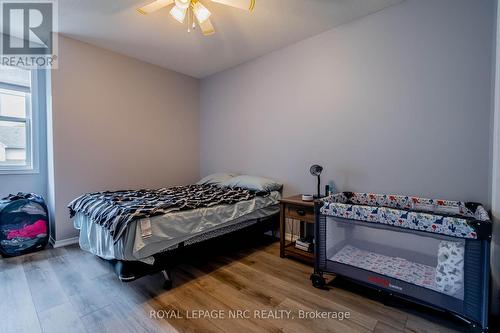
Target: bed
(147, 242)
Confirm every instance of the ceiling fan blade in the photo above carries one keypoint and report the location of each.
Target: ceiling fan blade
(242, 4)
(154, 6)
(206, 27)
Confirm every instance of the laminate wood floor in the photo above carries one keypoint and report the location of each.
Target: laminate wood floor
(68, 290)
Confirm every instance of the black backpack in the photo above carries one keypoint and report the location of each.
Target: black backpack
(24, 224)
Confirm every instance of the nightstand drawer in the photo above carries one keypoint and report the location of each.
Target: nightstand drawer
(300, 213)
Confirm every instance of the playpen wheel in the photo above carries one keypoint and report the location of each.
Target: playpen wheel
(318, 281)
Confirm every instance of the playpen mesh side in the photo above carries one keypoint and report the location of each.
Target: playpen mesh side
(433, 262)
(477, 286)
(320, 239)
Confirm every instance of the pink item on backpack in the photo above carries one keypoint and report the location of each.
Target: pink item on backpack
(29, 231)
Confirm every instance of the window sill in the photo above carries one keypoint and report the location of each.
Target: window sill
(19, 171)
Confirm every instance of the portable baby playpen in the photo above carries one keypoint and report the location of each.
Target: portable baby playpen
(434, 252)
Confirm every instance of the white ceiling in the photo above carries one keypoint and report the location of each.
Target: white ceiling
(240, 36)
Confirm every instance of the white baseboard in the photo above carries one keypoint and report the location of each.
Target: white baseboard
(63, 242)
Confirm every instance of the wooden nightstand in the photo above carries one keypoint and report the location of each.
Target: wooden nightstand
(293, 208)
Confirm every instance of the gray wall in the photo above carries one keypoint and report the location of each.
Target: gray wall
(118, 123)
(33, 182)
(495, 200)
(398, 101)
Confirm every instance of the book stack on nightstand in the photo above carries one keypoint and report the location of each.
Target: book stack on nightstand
(305, 244)
(297, 242)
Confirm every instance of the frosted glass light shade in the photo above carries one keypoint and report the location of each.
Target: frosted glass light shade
(201, 12)
(178, 13)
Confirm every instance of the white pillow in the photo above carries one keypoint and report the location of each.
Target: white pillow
(253, 183)
(216, 178)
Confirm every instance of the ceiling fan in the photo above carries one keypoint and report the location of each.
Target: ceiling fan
(194, 9)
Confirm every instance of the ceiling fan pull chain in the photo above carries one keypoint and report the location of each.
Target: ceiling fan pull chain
(192, 20)
(188, 19)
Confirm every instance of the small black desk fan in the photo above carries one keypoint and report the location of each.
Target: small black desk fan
(316, 171)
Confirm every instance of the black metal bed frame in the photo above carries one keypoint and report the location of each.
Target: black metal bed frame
(128, 271)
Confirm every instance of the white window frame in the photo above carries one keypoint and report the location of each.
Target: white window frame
(31, 121)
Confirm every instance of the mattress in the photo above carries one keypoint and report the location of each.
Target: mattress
(146, 237)
(395, 267)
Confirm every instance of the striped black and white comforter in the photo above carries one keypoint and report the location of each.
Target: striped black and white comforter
(115, 210)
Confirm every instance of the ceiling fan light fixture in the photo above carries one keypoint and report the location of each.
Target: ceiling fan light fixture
(178, 13)
(192, 9)
(201, 12)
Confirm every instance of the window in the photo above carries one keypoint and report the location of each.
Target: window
(16, 121)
